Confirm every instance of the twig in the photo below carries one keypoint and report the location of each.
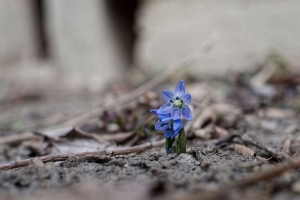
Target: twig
(63, 157)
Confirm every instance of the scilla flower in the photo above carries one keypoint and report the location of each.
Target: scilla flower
(176, 103)
(170, 127)
(169, 115)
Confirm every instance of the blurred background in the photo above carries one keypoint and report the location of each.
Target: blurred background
(58, 56)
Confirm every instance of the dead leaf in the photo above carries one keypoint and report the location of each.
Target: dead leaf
(259, 84)
(295, 148)
(278, 113)
(207, 116)
(116, 137)
(220, 132)
(71, 140)
(224, 109)
(245, 151)
(204, 133)
(56, 133)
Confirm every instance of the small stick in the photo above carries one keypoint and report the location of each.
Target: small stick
(63, 157)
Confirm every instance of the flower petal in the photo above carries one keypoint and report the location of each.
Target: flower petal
(154, 111)
(168, 95)
(177, 124)
(168, 133)
(176, 114)
(187, 113)
(161, 125)
(164, 117)
(179, 90)
(165, 108)
(175, 133)
(187, 98)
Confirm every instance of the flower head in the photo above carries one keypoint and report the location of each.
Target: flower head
(170, 127)
(176, 103)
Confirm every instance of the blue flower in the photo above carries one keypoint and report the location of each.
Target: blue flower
(170, 127)
(176, 103)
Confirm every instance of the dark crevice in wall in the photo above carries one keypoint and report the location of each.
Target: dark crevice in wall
(122, 14)
(41, 40)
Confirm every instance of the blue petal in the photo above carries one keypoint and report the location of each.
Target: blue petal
(175, 133)
(168, 133)
(176, 114)
(168, 95)
(187, 113)
(165, 108)
(177, 125)
(179, 90)
(164, 117)
(161, 125)
(169, 150)
(187, 99)
(154, 111)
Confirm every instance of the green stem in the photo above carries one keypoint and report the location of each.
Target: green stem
(181, 142)
(169, 144)
(174, 147)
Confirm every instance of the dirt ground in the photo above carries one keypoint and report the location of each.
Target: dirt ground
(240, 130)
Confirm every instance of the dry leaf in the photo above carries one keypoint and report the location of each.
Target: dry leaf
(220, 132)
(245, 151)
(116, 137)
(208, 116)
(278, 113)
(224, 109)
(204, 133)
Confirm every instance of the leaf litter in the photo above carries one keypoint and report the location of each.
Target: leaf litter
(245, 135)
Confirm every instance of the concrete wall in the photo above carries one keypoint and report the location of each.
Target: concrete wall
(82, 40)
(17, 35)
(247, 31)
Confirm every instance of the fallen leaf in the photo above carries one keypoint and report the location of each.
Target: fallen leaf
(245, 151)
(207, 116)
(278, 113)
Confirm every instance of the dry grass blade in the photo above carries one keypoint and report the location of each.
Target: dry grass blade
(245, 151)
